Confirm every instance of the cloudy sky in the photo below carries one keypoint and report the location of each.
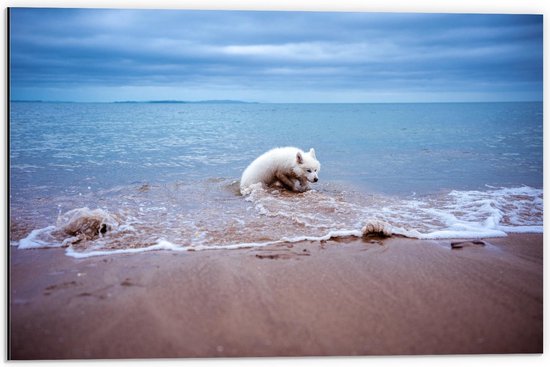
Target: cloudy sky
(114, 55)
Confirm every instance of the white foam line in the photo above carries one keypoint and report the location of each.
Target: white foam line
(440, 235)
(450, 234)
(331, 234)
(32, 241)
(166, 245)
(232, 247)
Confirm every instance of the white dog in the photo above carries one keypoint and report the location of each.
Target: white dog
(286, 166)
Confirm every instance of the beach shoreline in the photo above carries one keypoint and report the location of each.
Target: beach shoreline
(343, 297)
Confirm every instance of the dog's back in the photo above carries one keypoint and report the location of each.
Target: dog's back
(268, 167)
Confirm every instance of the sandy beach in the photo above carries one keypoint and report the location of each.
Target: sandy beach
(341, 298)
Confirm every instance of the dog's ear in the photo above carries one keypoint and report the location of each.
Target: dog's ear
(312, 153)
(299, 158)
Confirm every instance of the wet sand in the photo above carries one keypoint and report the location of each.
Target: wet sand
(347, 297)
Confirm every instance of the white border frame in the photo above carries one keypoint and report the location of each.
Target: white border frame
(417, 6)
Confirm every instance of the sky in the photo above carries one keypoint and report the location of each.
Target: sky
(105, 55)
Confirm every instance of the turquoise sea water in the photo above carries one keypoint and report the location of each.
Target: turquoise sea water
(467, 168)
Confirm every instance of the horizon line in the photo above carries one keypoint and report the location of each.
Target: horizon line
(225, 101)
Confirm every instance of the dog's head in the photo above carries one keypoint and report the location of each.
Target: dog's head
(308, 165)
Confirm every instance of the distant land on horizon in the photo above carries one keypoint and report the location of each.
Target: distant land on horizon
(210, 101)
(220, 101)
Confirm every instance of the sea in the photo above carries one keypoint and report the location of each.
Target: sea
(165, 176)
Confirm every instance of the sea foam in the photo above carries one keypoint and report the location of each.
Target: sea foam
(216, 218)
